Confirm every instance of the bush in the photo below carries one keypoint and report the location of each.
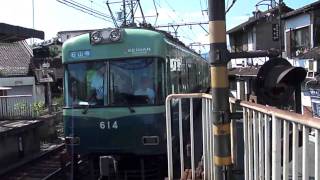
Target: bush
(38, 108)
(23, 109)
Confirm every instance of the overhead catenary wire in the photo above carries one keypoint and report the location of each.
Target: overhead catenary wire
(176, 25)
(85, 9)
(228, 9)
(99, 5)
(84, 6)
(201, 7)
(72, 2)
(176, 29)
(173, 10)
(157, 13)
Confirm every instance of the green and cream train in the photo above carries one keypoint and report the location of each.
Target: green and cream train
(115, 85)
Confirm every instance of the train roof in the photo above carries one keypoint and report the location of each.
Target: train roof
(136, 42)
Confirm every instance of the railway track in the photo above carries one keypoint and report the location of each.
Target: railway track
(44, 167)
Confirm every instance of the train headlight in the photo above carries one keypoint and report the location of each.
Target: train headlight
(72, 140)
(106, 36)
(115, 35)
(96, 37)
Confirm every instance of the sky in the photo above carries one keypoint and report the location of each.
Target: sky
(51, 16)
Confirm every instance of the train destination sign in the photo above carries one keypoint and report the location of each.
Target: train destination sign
(80, 54)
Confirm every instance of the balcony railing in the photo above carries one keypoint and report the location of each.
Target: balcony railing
(16, 107)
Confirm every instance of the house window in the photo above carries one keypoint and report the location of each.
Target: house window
(300, 41)
(240, 42)
(316, 28)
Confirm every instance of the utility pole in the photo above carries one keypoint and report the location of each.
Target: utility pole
(46, 78)
(220, 88)
(32, 40)
(280, 27)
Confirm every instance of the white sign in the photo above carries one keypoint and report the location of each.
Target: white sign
(44, 80)
(46, 65)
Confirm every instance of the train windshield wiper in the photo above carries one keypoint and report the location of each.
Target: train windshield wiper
(127, 99)
(86, 105)
(129, 104)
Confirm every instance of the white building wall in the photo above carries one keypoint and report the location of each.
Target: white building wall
(298, 21)
(24, 86)
(17, 81)
(20, 90)
(65, 36)
(244, 62)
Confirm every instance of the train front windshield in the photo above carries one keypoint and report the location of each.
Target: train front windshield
(124, 82)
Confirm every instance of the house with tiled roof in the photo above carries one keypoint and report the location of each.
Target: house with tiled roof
(14, 68)
(17, 81)
(260, 32)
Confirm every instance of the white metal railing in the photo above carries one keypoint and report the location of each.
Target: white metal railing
(271, 135)
(16, 107)
(174, 101)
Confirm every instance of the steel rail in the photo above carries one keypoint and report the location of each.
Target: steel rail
(10, 171)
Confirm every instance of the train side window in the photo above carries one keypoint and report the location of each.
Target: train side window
(167, 76)
(160, 85)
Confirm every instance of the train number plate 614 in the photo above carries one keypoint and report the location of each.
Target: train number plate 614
(108, 125)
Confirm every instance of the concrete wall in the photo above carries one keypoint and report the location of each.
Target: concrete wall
(9, 151)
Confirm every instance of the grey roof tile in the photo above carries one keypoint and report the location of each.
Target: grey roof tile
(14, 59)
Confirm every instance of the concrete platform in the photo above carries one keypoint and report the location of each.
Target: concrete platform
(18, 139)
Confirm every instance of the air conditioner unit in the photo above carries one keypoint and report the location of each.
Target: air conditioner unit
(310, 74)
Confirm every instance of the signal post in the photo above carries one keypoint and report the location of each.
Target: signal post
(220, 87)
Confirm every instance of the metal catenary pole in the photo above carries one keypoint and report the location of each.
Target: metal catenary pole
(220, 87)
